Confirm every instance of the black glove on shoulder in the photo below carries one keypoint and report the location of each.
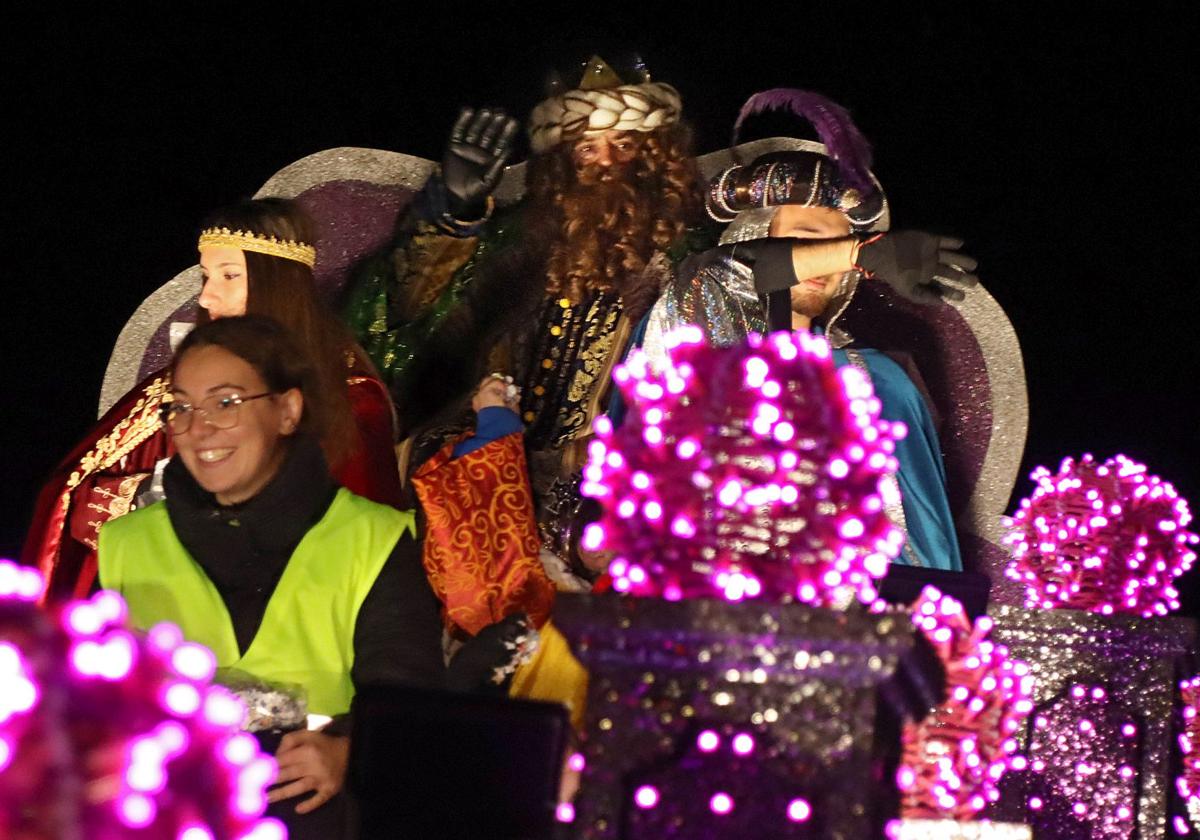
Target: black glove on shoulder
(480, 143)
(922, 267)
(771, 261)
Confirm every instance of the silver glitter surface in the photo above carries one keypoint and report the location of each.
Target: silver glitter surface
(132, 353)
(749, 225)
(951, 830)
(1099, 738)
(804, 684)
(1005, 378)
(347, 163)
(720, 298)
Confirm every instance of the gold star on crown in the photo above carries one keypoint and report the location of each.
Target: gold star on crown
(246, 240)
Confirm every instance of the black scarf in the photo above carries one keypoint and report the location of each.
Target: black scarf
(244, 548)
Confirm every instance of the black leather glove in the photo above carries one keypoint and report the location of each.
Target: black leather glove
(480, 143)
(771, 261)
(920, 266)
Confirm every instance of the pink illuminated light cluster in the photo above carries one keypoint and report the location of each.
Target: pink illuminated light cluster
(169, 741)
(1189, 742)
(1103, 537)
(743, 472)
(954, 758)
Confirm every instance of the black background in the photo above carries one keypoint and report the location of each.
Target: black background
(1060, 148)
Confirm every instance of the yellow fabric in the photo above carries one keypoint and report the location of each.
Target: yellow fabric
(307, 632)
(554, 674)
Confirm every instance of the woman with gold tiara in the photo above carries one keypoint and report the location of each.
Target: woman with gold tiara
(257, 257)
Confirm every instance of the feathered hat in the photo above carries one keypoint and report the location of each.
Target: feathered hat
(834, 173)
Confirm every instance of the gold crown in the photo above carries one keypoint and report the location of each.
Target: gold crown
(249, 241)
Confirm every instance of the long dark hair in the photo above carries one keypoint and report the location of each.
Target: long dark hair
(286, 291)
(275, 354)
(605, 245)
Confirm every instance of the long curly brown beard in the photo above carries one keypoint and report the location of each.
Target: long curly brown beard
(600, 227)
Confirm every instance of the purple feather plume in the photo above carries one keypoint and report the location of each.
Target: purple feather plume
(842, 139)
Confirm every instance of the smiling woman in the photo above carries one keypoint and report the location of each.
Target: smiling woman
(255, 533)
(227, 423)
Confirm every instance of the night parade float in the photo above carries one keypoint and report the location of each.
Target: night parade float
(746, 679)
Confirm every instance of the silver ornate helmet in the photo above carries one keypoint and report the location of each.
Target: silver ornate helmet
(833, 173)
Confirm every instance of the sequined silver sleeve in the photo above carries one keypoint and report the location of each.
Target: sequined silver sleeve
(719, 298)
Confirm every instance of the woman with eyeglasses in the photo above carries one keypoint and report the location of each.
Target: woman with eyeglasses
(256, 257)
(257, 553)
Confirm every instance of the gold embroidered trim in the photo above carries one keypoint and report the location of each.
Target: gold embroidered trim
(593, 358)
(118, 504)
(618, 339)
(139, 425)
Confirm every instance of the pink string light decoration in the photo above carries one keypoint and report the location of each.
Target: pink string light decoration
(108, 734)
(744, 472)
(1188, 783)
(955, 757)
(1102, 537)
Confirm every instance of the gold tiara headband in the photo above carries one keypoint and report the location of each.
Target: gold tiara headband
(249, 241)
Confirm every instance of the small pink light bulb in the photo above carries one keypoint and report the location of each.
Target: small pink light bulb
(708, 741)
(799, 810)
(194, 661)
(182, 699)
(593, 537)
(195, 832)
(240, 749)
(646, 796)
(136, 810)
(721, 803)
(852, 528)
(743, 744)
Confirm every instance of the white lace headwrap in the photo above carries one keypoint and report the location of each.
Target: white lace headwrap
(584, 113)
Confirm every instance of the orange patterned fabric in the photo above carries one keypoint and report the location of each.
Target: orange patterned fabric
(481, 539)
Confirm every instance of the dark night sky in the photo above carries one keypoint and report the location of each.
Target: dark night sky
(1056, 148)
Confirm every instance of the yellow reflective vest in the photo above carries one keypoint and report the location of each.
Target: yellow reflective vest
(307, 632)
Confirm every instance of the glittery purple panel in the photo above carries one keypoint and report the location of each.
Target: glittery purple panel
(804, 683)
(951, 365)
(356, 219)
(1096, 676)
(158, 352)
(992, 560)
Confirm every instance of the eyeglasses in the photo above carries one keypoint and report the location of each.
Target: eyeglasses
(219, 411)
